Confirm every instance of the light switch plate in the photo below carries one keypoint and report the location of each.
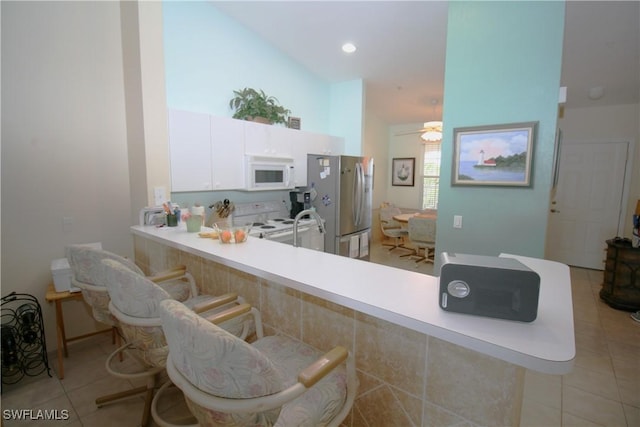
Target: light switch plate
(67, 224)
(457, 221)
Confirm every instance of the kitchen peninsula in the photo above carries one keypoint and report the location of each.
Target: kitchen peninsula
(414, 359)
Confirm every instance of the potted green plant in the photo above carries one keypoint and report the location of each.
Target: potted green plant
(250, 104)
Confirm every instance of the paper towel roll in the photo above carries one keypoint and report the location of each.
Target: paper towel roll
(198, 210)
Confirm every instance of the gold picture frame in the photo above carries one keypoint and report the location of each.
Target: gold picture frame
(497, 155)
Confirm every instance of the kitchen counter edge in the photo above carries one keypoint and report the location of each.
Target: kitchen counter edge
(402, 297)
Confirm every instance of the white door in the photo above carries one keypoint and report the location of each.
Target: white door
(586, 209)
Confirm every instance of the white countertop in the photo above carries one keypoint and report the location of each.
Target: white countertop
(406, 298)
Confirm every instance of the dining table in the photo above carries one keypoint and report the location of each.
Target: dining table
(404, 217)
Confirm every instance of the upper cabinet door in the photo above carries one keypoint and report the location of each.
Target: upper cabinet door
(324, 144)
(299, 149)
(190, 151)
(227, 142)
(267, 140)
(208, 153)
(336, 145)
(304, 143)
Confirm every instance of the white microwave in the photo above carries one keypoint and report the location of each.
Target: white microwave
(269, 173)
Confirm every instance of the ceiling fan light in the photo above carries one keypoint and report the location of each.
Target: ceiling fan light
(431, 136)
(434, 125)
(433, 131)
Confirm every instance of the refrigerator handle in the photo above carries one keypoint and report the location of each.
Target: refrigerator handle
(363, 197)
(357, 191)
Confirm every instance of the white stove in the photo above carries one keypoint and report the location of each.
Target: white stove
(271, 221)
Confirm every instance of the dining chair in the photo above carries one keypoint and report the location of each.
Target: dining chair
(422, 234)
(274, 381)
(391, 228)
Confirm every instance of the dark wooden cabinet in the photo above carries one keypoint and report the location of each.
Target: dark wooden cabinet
(621, 286)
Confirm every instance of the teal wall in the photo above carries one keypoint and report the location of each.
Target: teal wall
(347, 114)
(208, 55)
(503, 64)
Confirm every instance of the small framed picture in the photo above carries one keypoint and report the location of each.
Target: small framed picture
(403, 171)
(497, 155)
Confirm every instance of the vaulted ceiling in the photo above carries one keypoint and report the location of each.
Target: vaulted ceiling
(401, 48)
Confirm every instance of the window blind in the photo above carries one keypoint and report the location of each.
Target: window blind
(431, 175)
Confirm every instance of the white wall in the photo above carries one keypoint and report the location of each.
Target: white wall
(402, 146)
(64, 142)
(375, 144)
(609, 124)
(143, 56)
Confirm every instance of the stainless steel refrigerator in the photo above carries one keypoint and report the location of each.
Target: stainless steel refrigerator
(341, 190)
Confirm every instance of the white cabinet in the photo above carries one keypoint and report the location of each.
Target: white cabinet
(190, 151)
(227, 152)
(299, 151)
(206, 152)
(325, 144)
(267, 140)
(313, 143)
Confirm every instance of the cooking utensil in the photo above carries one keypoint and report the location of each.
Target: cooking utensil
(223, 209)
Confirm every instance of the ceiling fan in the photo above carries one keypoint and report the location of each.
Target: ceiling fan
(431, 131)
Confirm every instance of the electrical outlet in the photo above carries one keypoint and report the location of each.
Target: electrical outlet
(457, 221)
(159, 196)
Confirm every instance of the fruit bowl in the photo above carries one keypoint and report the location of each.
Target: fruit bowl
(236, 233)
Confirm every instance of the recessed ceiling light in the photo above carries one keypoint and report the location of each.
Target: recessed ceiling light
(348, 48)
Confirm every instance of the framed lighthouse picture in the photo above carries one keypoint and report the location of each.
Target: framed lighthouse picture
(498, 155)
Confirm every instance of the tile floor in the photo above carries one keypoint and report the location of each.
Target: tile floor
(602, 390)
(604, 387)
